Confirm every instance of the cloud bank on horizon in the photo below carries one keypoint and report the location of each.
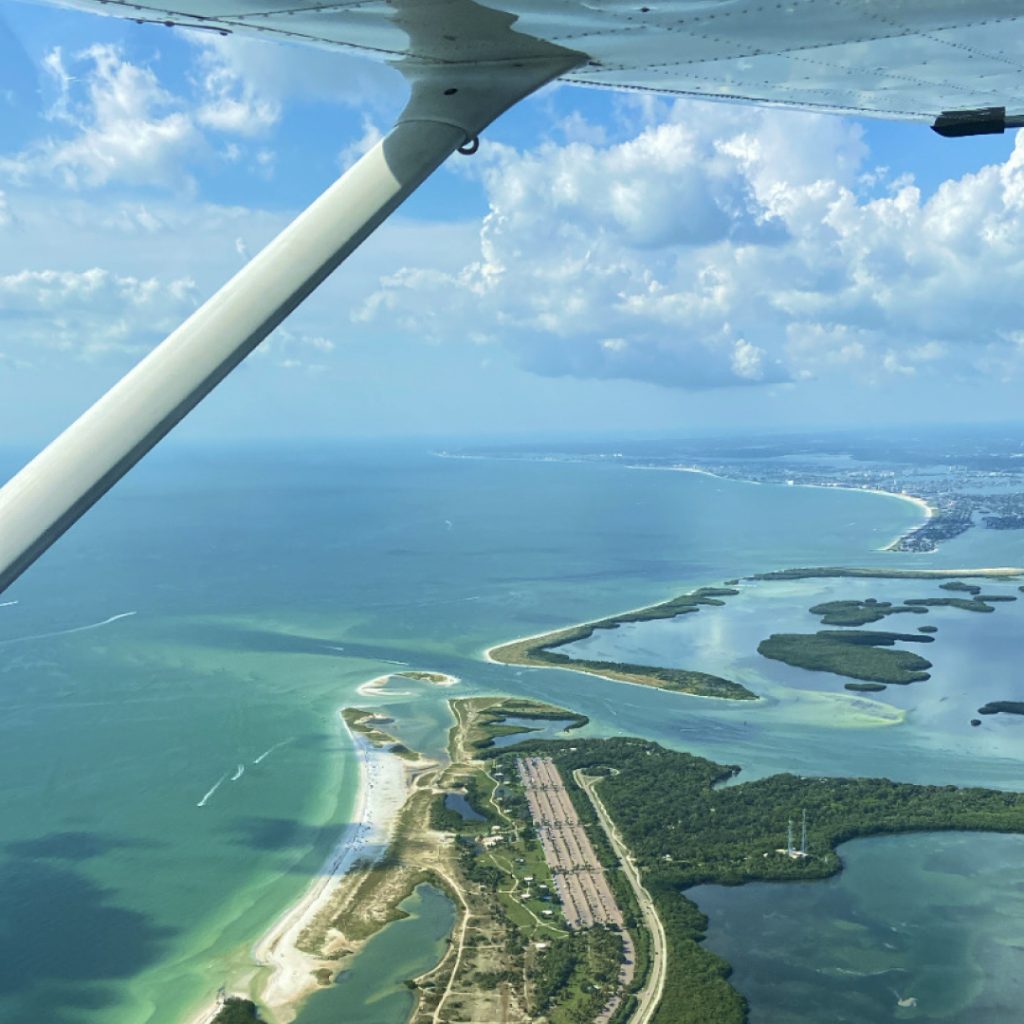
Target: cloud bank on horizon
(653, 246)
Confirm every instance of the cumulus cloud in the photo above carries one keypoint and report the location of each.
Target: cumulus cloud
(715, 248)
(233, 103)
(357, 148)
(115, 123)
(282, 73)
(91, 312)
(294, 349)
(125, 125)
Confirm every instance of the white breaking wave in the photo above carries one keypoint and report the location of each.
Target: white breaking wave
(239, 771)
(213, 789)
(64, 632)
(7, 604)
(266, 753)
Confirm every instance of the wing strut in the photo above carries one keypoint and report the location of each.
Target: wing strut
(449, 106)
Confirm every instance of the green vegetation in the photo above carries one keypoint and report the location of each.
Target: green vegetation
(445, 819)
(540, 651)
(981, 603)
(860, 613)
(865, 687)
(492, 721)
(1007, 707)
(680, 605)
(886, 574)
(569, 975)
(858, 654)
(573, 979)
(237, 1011)
(679, 680)
(697, 832)
(966, 588)
(424, 677)
(927, 629)
(368, 723)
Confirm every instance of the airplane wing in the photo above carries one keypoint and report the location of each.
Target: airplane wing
(956, 63)
(905, 59)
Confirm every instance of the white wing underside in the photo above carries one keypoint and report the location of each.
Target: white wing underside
(907, 59)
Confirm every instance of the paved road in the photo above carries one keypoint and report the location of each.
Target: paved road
(649, 996)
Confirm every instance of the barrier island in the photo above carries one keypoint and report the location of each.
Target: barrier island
(541, 651)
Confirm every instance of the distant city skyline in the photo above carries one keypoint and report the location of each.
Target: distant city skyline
(607, 263)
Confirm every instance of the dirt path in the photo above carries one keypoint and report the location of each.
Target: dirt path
(649, 996)
(460, 946)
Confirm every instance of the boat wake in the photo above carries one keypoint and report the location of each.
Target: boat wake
(65, 632)
(7, 604)
(213, 789)
(870, 974)
(239, 772)
(266, 753)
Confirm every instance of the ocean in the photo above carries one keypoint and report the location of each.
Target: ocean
(174, 769)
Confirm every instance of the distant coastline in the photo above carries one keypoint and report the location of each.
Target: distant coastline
(920, 503)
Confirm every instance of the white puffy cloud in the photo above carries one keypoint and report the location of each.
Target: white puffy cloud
(281, 72)
(716, 246)
(91, 312)
(233, 103)
(113, 122)
(292, 348)
(125, 125)
(358, 147)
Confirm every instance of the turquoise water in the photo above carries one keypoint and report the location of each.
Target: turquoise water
(266, 586)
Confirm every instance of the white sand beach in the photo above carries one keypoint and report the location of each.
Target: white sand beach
(377, 687)
(383, 788)
(374, 687)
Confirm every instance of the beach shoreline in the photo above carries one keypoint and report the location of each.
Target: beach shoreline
(383, 788)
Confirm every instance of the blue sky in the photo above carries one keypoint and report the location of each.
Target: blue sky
(606, 264)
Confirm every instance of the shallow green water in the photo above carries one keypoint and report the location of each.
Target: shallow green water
(267, 586)
(372, 989)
